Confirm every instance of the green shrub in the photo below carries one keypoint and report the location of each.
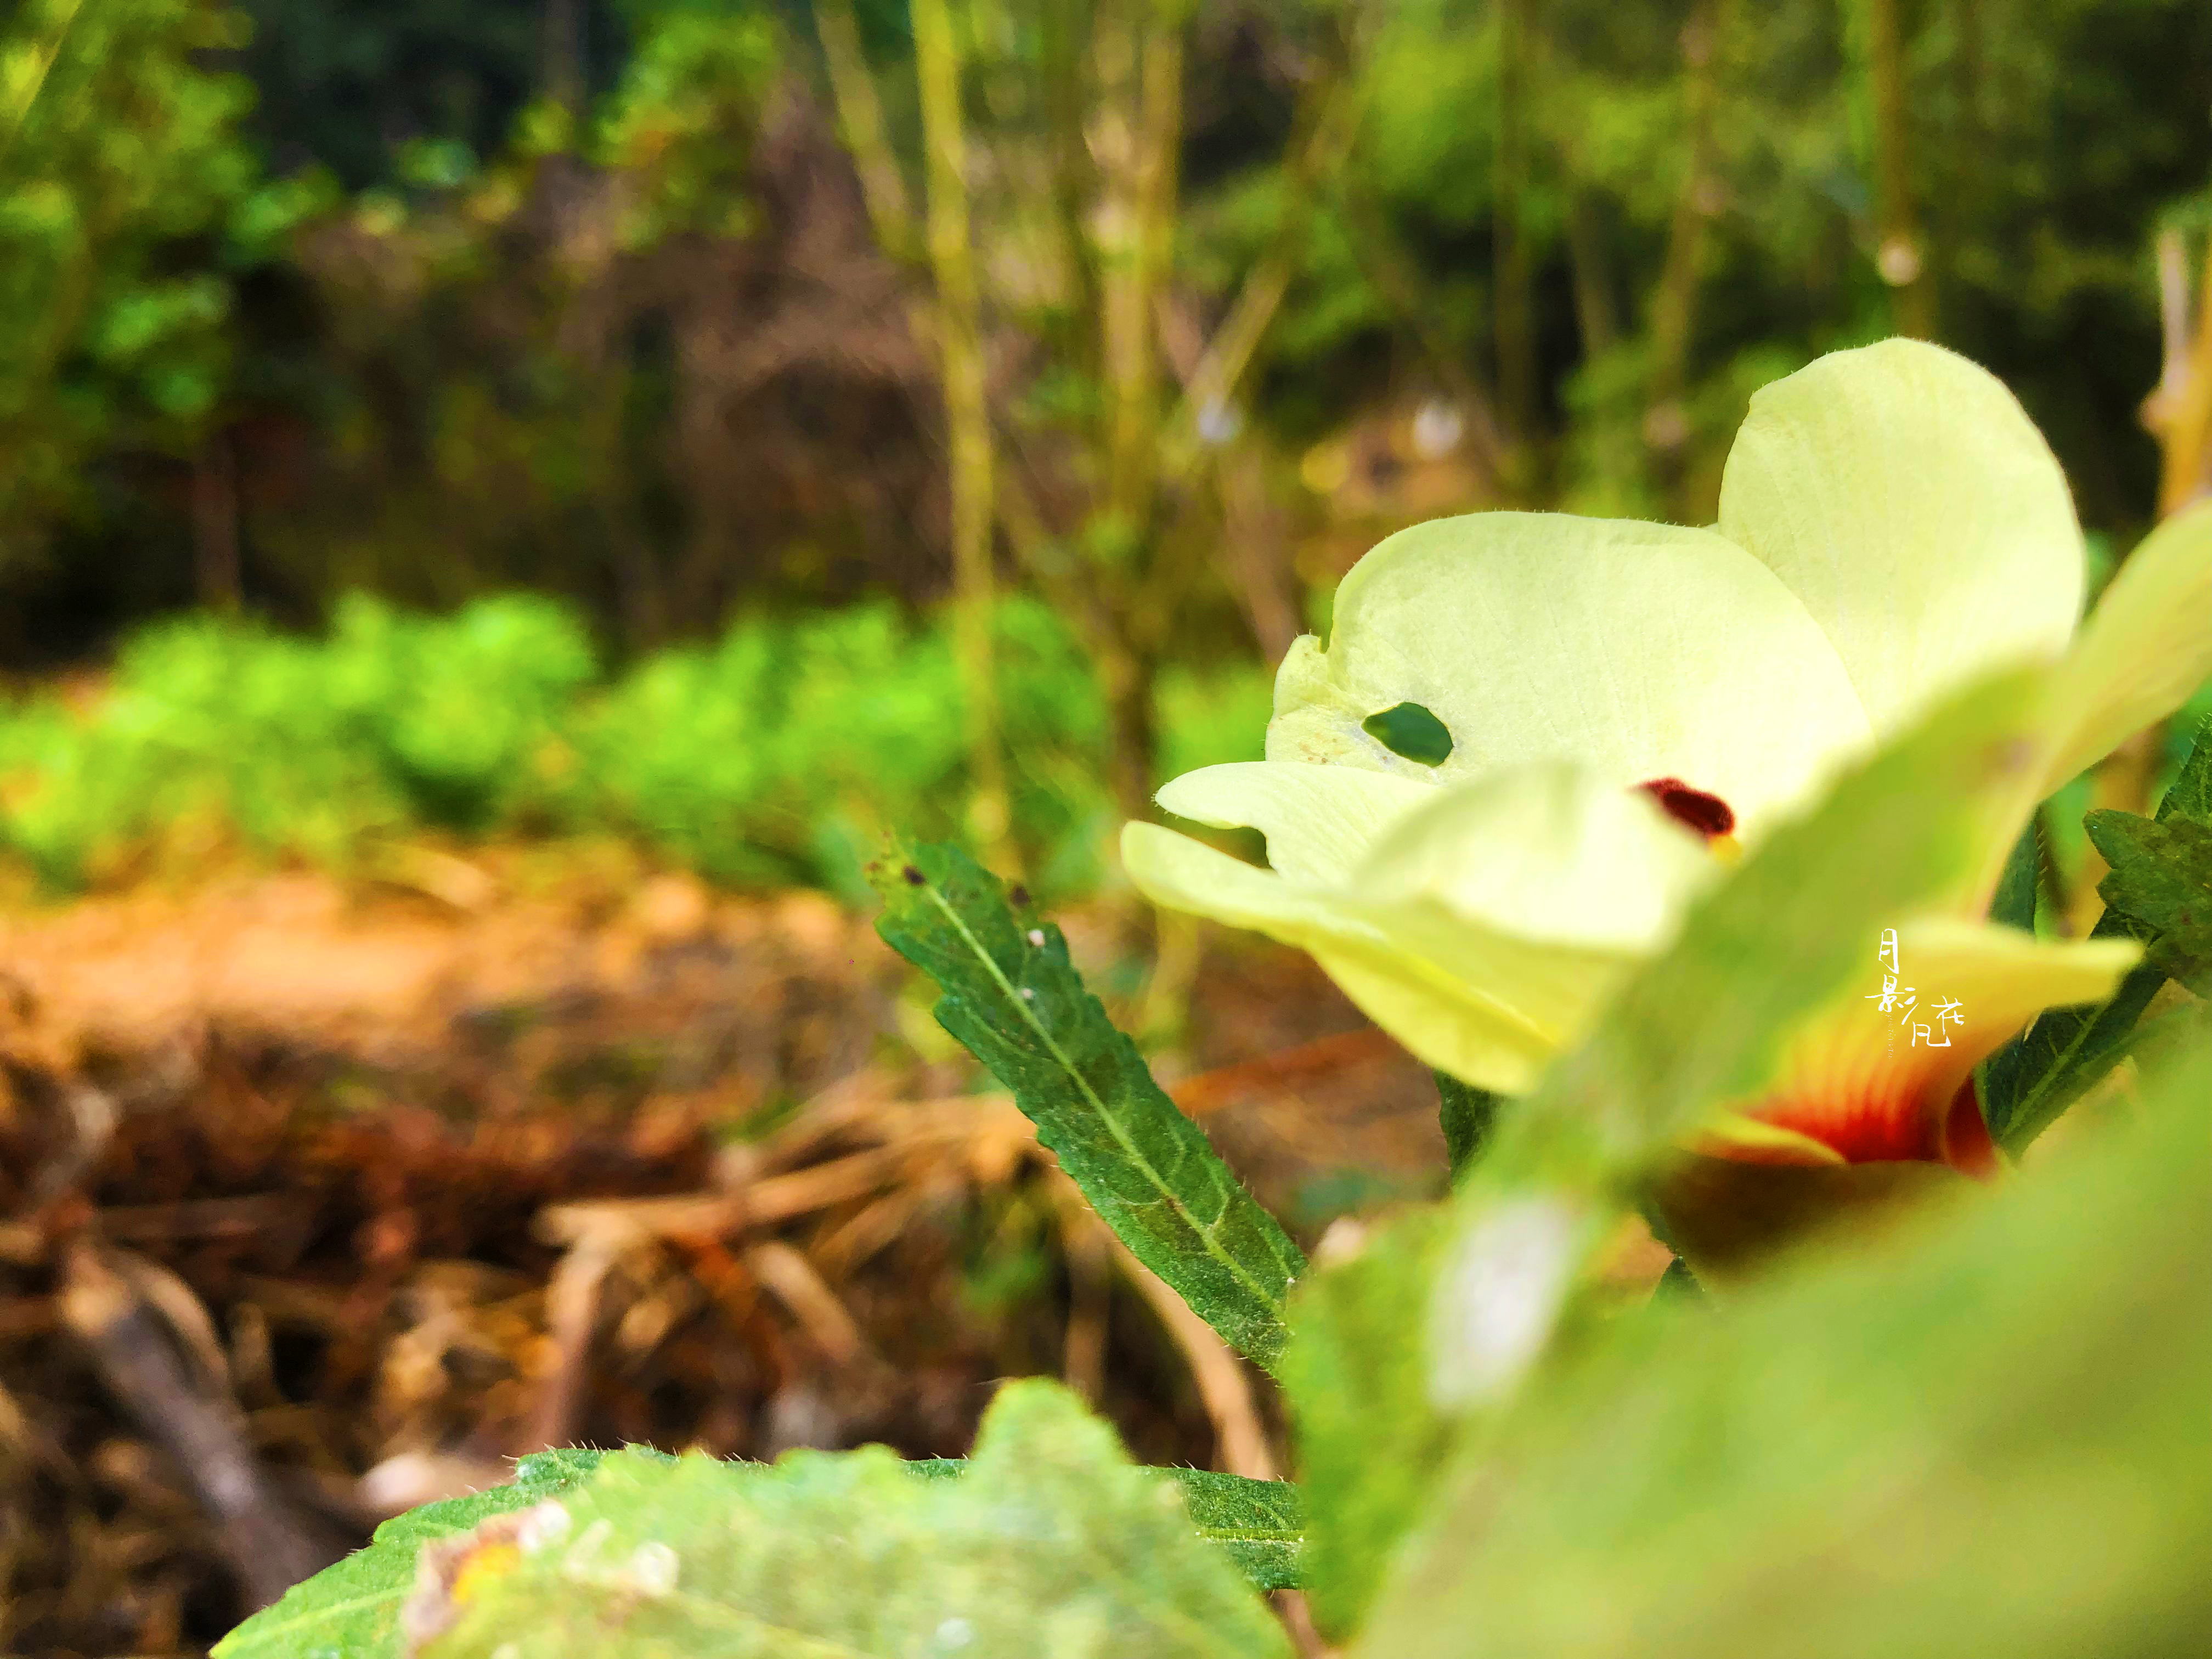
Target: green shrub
(778, 754)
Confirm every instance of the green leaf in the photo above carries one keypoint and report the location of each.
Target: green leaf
(1836, 1464)
(353, 1609)
(2030, 1082)
(1468, 1114)
(1678, 1284)
(1260, 1524)
(1011, 996)
(2013, 903)
(2161, 878)
(1051, 1543)
(2189, 795)
(1371, 1444)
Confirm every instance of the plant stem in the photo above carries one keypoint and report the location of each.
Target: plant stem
(860, 120)
(1511, 307)
(1674, 309)
(1902, 255)
(1137, 47)
(1145, 124)
(967, 417)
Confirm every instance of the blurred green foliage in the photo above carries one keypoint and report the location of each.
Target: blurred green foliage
(1969, 1438)
(438, 301)
(781, 753)
(122, 181)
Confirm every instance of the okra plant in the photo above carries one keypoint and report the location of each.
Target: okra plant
(1699, 865)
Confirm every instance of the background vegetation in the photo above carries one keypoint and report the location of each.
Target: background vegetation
(695, 316)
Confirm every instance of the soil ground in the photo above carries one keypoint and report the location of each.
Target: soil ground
(319, 1199)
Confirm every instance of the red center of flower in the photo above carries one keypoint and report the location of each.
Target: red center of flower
(1709, 815)
(1887, 1115)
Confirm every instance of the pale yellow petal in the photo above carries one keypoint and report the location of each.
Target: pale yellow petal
(2144, 651)
(1467, 1027)
(1445, 1024)
(1903, 495)
(1319, 821)
(1637, 651)
(1541, 852)
(2003, 976)
(1469, 931)
(1879, 1076)
(1184, 874)
(1734, 1135)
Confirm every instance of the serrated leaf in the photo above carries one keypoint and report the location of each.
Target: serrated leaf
(1261, 1525)
(352, 1609)
(2161, 878)
(1371, 1444)
(1837, 1464)
(2029, 1083)
(1012, 997)
(2013, 904)
(1051, 1543)
(1258, 1524)
(2189, 795)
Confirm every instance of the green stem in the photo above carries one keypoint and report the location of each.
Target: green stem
(1903, 255)
(1511, 306)
(967, 417)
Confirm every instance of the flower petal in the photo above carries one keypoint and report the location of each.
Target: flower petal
(1638, 651)
(2144, 651)
(1542, 851)
(1903, 494)
(1446, 1026)
(1864, 1082)
(1444, 1020)
(1319, 821)
(1484, 926)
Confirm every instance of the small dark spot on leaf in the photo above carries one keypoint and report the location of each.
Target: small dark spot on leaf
(913, 875)
(1411, 731)
(1020, 896)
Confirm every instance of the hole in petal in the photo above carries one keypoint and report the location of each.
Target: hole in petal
(1709, 815)
(1411, 731)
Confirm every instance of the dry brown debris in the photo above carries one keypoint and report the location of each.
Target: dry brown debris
(315, 1205)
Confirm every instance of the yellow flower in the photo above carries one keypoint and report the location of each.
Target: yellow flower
(1505, 779)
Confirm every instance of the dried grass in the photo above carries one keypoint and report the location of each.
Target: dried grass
(374, 1193)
